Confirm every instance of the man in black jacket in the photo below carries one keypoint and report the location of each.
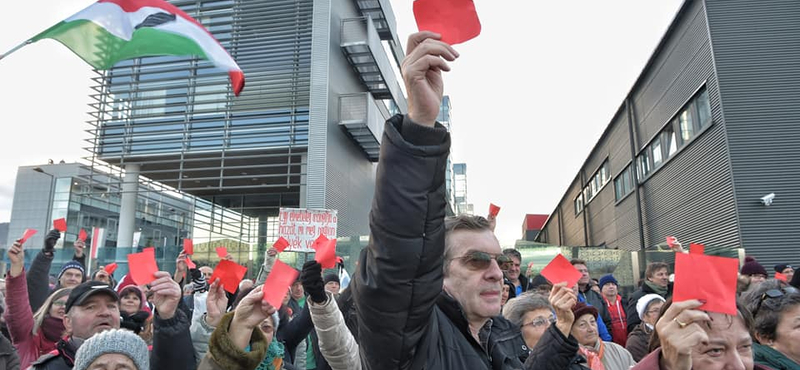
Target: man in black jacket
(427, 295)
(656, 282)
(93, 307)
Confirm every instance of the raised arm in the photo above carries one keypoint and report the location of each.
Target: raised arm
(400, 275)
(19, 316)
(37, 276)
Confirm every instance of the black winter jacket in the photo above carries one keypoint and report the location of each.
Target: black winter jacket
(596, 300)
(555, 351)
(396, 290)
(172, 348)
(38, 278)
(9, 360)
(633, 315)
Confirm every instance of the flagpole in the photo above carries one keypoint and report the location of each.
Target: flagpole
(26, 42)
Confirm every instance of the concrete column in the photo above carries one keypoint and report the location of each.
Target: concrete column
(127, 209)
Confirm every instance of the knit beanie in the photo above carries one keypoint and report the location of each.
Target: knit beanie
(331, 277)
(642, 303)
(123, 342)
(607, 279)
(782, 266)
(72, 265)
(752, 267)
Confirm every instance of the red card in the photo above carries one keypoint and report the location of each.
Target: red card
(188, 246)
(708, 278)
(26, 235)
(82, 235)
(142, 266)
(230, 274)
(317, 243)
(222, 252)
(190, 264)
(326, 254)
(493, 210)
(110, 268)
(781, 277)
(559, 270)
(281, 244)
(697, 248)
(150, 250)
(280, 278)
(60, 225)
(456, 20)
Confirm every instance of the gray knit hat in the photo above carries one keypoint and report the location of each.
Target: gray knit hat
(119, 341)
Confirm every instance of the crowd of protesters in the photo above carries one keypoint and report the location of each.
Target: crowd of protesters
(429, 292)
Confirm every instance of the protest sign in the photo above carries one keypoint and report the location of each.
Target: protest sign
(301, 227)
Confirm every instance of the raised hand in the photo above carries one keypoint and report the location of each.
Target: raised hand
(563, 299)
(166, 294)
(17, 258)
(311, 277)
(422, 73)
(216, 303)
(680, 332)
(50, 241)
(272, 252)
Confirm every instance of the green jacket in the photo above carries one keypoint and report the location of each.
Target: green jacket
(764, 355)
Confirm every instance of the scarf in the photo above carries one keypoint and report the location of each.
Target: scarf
(594, 359)
(52, 328)
(662, 291)
(274, 358)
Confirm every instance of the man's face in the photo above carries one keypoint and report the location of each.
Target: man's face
(98, 313)
(729, 345)
(660, 278)
(332, 287)
(478, 290)
(610, 290)
(112, 361)
(584, 274)
(297, 290)
(102, 276)
(71, 278)
(207, 272)
(513, 270)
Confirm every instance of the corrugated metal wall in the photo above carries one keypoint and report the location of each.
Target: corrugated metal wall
(691, 195)
(757, 50)
(350, 179)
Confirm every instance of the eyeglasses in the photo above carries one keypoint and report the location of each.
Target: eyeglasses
(773, 293)
(59, 303)
(539, 321)
(477, 260)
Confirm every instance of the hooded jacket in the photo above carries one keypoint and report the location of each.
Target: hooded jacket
(405, 321)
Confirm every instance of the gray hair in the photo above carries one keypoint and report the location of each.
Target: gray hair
(516, 308)
(460, 222)
(771, 309)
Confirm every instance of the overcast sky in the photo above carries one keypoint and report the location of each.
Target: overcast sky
(531, 95)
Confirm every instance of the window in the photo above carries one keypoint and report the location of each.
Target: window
(658, 156)
(643, 164)
(669, 140)
(578, 204)
(703, 109)
(685, 124)
(623, 184)
(596, 183)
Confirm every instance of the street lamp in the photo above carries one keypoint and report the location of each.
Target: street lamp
(49, 198)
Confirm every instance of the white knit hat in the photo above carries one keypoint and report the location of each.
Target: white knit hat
(642, 303)
(123, 342)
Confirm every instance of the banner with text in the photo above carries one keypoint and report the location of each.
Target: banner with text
(302, 226)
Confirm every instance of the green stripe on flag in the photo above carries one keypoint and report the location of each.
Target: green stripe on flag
(102, 50)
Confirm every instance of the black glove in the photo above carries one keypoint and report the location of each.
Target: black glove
(50, 241)
(312, 281)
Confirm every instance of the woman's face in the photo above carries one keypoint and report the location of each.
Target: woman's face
(130, 303)
(504, 296)
(787, 334)
(729, 345)
(58, 308)
(534, 323)
(651, 315)
(584, 329)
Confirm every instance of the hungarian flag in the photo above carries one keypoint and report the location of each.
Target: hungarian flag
(110, 31)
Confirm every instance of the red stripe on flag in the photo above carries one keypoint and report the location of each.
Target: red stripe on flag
(237, 81)
(95, 240)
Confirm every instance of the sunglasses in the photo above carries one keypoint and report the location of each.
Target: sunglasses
(773, 293)
(477, 260)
